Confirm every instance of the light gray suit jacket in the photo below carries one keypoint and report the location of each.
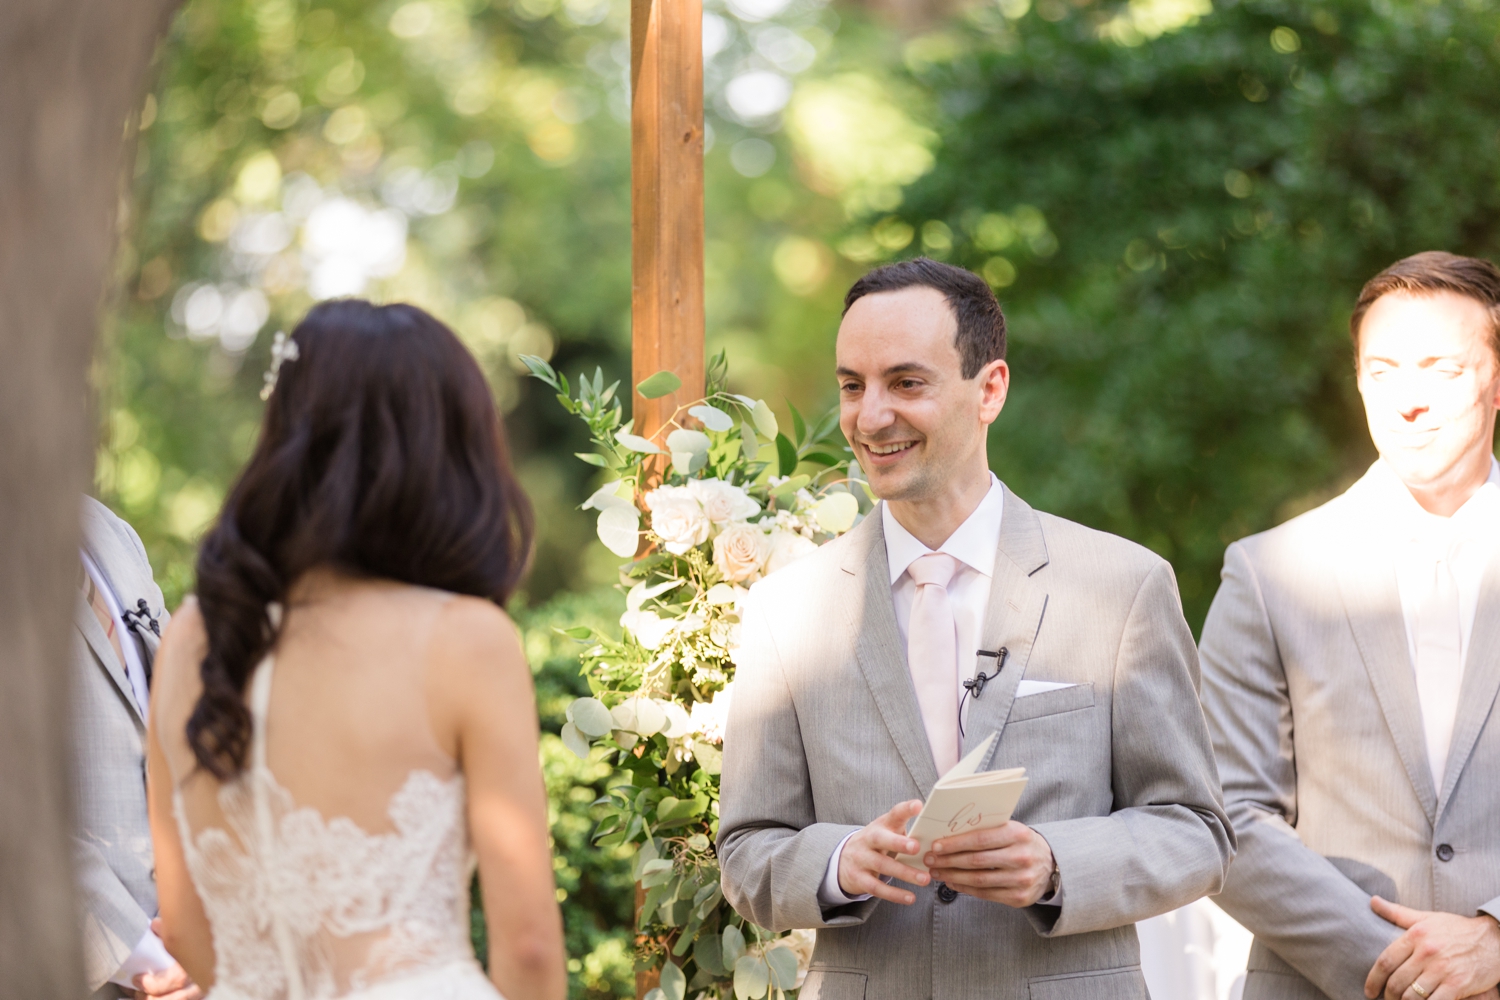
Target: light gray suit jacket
(824, 735)
(112, 848)
(1312, 702)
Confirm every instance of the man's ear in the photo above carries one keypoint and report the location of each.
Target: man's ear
(994, 386)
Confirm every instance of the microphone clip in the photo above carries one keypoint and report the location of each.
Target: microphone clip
(975, 685)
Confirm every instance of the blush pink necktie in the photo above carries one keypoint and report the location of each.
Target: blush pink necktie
(932, 655)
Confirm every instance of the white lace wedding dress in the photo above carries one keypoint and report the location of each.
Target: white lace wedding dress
(305, 908)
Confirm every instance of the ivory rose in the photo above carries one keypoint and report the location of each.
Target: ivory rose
(677, 518)
(740, 550)
(723, 502)
(787, 548)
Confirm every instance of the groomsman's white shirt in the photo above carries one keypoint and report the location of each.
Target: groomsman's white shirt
(1472, 532)
(149, 954)
(973, 544)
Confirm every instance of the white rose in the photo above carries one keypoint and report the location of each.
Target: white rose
(677, 518)
(740, 550)
(723, 502)
(786, 548)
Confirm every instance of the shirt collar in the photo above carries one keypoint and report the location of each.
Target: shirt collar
(973, 543)
(1474, 517)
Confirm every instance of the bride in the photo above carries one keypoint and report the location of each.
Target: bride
(343, 720)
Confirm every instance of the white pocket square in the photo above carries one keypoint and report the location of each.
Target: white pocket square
(1026, 688)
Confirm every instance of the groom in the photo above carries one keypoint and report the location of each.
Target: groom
(1351, 663)
(849, 701)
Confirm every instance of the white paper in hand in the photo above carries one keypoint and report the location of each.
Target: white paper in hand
(966, 799)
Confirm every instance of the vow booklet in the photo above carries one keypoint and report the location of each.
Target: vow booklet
(965, 799)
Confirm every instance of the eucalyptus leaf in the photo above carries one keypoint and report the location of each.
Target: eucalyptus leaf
(591, 458)
(659, 385)
(634, 442)
(752, 978)
(656, 994)
(733, 945)
(708, 952)
(791, 486)
(575, 741)
(836, 512)
(765, 420)
(685, 440)
(673, 981)
(619, 528)
(590, 716)
(783, 964)
(713, 418)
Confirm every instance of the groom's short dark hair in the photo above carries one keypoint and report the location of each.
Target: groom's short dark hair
(1429, 273)
(981, 324)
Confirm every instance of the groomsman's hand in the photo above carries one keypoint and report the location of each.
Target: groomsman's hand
(169, 984)
(868, 856)
(1010, 864)
(1442, 956)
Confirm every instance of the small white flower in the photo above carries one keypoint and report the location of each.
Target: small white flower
(723, 502)
(677, 518)
(708, 717)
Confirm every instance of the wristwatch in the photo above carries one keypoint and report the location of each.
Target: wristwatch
(1052, 884)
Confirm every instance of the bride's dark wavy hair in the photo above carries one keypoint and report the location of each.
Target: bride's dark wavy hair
(381, 453)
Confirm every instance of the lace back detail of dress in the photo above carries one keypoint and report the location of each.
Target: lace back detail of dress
(303, 907)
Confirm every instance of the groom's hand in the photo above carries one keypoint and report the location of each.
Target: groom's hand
(868, 857)
(1010, 864)
(1447, 955)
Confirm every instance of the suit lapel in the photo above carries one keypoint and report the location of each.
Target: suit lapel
(1372, 603)
(1481, 680)
(87, 624)
(882, 658)
(1012, 619)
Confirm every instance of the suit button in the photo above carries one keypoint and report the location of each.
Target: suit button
(946, 893)
(1445, 852)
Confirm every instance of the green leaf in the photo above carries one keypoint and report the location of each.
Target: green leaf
(799, 428)
(575, 741)
(826, 425)
(591, 717)
(655, 994)
(765, 420)
(786, 455)
(577, 632)
(822, 458)
(733, 945)
(673, 982)
(591, 458)
(783, 965)
(659, 385)
(791, 486)
(708, 952)
(539, 369)
(752, 978)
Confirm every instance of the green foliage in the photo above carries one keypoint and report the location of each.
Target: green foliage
(1178, 229)
(716, 519)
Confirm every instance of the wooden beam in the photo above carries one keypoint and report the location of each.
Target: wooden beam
(666, 201)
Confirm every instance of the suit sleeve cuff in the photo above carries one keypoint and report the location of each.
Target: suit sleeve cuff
(1490, 909)
(830, 893)
(149, 955)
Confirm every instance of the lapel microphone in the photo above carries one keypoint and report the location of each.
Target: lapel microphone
(140, 621)
(975, 685)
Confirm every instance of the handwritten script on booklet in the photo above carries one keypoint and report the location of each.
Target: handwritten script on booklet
(966, 799)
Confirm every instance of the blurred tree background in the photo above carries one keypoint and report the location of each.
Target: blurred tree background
(1176, 201)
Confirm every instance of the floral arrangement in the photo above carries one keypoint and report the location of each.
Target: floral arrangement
(708, 504)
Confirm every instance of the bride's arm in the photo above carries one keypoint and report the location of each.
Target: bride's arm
(185, 928)
(484, 692)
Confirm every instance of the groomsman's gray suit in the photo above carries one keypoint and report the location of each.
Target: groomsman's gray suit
(1312, 701)
(825, 735)
(113, 845)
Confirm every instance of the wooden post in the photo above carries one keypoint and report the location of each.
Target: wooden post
(666, 201)
(666, 221)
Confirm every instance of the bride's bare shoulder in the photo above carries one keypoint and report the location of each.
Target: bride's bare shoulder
(471, 630)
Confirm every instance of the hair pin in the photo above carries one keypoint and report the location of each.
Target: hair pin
(283, 349)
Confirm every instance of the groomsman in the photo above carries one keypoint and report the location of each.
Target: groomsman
(117, 622)
(1350, 666)
(850, 702)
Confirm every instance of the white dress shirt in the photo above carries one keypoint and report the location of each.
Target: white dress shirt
(1469, 538)
(974, 545)
(149, 954)
(135, 668)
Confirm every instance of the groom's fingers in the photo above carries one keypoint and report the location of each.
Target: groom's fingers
(1394, 956)
(998, 837)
